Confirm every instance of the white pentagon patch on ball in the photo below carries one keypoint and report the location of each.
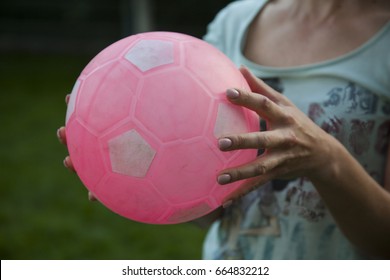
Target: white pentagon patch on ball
(130, 154)
(149, 54)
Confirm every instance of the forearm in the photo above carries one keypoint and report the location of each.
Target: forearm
(360, 206)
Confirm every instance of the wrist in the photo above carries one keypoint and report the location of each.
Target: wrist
(330, 165)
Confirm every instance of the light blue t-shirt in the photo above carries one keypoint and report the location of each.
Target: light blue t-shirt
(349, 97)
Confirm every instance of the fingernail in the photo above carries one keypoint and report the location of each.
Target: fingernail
(58, 134)
(224, 143)
(224, 179)
(67, 97)
(91, 197)
(227, 204)
(67, 162)
(232, 93)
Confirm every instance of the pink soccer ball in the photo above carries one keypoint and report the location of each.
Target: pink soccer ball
(142, 126)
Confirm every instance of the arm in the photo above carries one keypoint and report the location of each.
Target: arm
(295, 146)
(360, 206)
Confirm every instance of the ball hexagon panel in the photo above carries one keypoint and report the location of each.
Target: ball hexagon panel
(130, 154)
(102, 105)
(219, 193)
(180, 113)
(135, 199)
(85, 153)
(186, 170)
(149, 54)
(199, 56)
(189, 212)
(110, 53)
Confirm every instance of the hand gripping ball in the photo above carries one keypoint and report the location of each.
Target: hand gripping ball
(142, 126)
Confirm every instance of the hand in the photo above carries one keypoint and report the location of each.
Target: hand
(61, 134)
(294, 145)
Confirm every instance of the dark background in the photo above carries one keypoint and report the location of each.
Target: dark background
(44, 211)
(87, 26)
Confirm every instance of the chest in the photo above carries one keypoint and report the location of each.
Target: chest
(283, 44)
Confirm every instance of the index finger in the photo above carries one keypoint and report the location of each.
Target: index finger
(262, 105)
(259, 86)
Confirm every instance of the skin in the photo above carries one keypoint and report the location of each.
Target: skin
(311, 31)
(294, 145)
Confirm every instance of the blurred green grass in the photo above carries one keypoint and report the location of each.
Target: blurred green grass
(44, 210)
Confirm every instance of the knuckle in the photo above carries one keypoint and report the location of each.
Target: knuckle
(264, 141)
(245, 95)
(239, 141)
(260, 168)
(289, 118)
(291, 139)
(265, 103)
(236, 175)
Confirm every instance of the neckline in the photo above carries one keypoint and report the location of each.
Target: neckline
(252, 65)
